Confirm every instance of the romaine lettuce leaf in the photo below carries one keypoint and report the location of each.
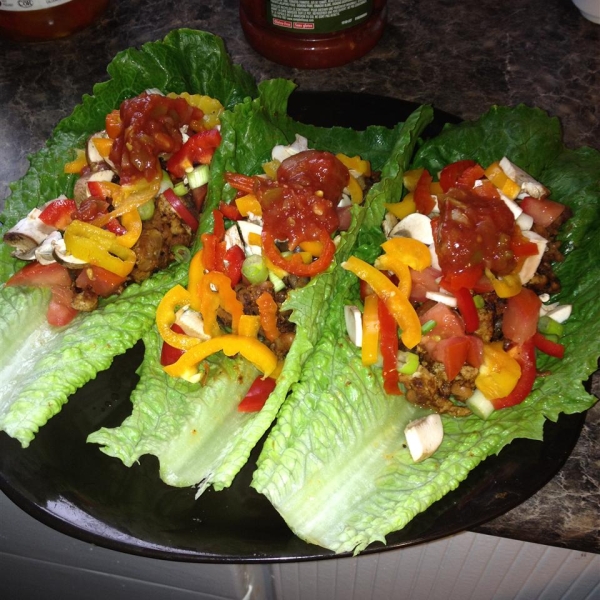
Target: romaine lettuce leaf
(61, 360)
(335, 465)
(225, 438)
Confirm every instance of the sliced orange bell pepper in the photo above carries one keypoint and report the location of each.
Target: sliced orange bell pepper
(499, 373)
(77, 164)
(370, 330)
(249, 325)
(506, 286)
(403, 208)
(216, 292)
(268, 316)
(177, 297)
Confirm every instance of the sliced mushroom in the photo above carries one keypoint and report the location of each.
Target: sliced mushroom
(424, 436)
(27, 234)
(65, 259)
(92, 155)
(44, 253)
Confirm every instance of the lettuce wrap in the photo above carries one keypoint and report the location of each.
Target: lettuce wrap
(43, 365)
(195, 430)
(336, 465)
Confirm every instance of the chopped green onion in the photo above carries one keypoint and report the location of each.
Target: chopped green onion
(146, 210)
(278, 283)
(428, 326)
(166, 183)
(408, 363)
(254, 269)
(479, 301)
(198, 177)
(181, 189)
(480, 405)
(181, 253)
(548, 326)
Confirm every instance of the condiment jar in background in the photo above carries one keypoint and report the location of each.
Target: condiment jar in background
(36, 20)
(313, 35)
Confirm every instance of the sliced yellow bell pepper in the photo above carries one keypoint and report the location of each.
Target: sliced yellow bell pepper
(403, 208)
(103, 145)
(356, 192)
(313, 247)
(505, 286)
(211, 107)
(270, 168)
(413, 253)
(177, 297)
(370, 331)
(499, 178)
(133, 224)
(393, 263)
(499, 373)
(77, 164)
(98, 247)
(195, 274)
(249, 325)
(248, 204)
(411, 178)
(250, 348)
(355, 163)
(396, 302)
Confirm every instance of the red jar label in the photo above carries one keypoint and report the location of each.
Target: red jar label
(317, 16)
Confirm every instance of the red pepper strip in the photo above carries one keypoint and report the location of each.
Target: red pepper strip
(169, 354)
(525, 356)
(209, 251)
(467, 309)
(198, 149)
(242, 183)
(267, 310)
(58, 213)
(219, 225)
(230, 211)
(388, 344)
(233, 261)
(450, 173)
(469, 176)
(423, 199)
(543, 344)
(295, 265)
(115, 227)
(257, 395)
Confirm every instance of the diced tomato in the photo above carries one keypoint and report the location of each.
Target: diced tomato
(452, 352)
(181, 209)
(424, 281)
(423, 199)
(543, 344)
(522, 246)
(230, 211)
(199, 195)
(198, 149)
(257, 395)
(60, 312)
(468, 278)
(99, 280)
(525, 356)
(169, 354)
(542, 210)
(36, 275)
(519, 322)
(113, 124)
(447, 322)
(469, 176)
(58, 213)
(450, 173)
(487, 190)
(475, 354)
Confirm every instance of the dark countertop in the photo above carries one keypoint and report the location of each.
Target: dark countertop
(459, 57)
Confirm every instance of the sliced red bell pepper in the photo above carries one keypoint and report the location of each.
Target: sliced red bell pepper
(219, 225)
(198, 149)
(257, 395)
(388, 344)
(230, 211)
(467, 309)
(450, 173)
(422, 195)
(58, 213)
(233, 261)
(169, 354)
(543, 344)
(469, 176)
(525, 356)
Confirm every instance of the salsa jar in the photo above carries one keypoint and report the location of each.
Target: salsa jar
(313, 35)
(37, 20)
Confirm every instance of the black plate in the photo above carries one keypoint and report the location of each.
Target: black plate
(74, 488)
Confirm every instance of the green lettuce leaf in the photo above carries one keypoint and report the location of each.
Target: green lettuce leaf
(225, 438)
(59, 361)
(335, 465)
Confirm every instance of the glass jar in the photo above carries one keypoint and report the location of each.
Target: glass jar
(313, 35)
(36, 20)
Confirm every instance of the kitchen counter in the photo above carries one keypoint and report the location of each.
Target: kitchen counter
(460, 57)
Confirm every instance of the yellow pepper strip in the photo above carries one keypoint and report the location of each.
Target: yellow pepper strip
(356, 163)
(277, 372)
(98, 247)
(250, 348)
(370, 331)
(215, 292)
(248, 204)
(313, 247)
(499, 178)
(133, 224)
(506, 286)
(177, 297)
(103, 145)
(254, 239)
(274, 268)
(249, 325)
(436, 188)
(133, 196)
(195, 274)
(211, 107)
(398, 304)
(403, 208)
(411, 252)
(356, 192)
(411, 178)
(393, 263)
(270, 168)
(499, 373)
(76, 165)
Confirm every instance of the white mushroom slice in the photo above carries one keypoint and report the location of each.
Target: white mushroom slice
(281, 152)
(91, 152)
(525, 221)
(558, 312)
(415, 226)
(44, 253)
(424, 436)
(353, 318)
(531, 263)
(435, 261)
(389, 222)
(28, 233)
(528, 184)
(233, 238)
(246, 229)
(64, 258)
(191, 322)
(446, 299)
